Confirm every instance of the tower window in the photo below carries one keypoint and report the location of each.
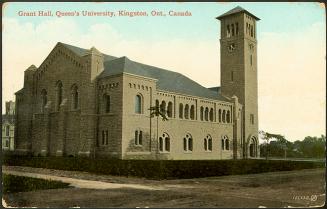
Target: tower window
(138, 104)
(251, 59)
(236, 28)
(232, 76)
(251, 31)
(233, 30)
(107, 103)
(228, 32)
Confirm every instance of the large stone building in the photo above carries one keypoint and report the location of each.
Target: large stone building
(8, 127)
(83, 102)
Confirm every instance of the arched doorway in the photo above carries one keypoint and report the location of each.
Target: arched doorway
(253, 147)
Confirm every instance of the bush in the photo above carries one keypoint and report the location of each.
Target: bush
(161, 169)
(13, 184)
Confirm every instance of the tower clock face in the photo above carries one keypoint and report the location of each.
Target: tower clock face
(231, 47)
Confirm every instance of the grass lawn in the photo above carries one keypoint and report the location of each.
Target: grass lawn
(13, 184)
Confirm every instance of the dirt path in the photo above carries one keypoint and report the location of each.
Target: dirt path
(302, 188)
(79, 183)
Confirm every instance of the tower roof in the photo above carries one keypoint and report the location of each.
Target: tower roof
(236, 10)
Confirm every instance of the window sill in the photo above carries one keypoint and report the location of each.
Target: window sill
(164, 152)
(188, 152)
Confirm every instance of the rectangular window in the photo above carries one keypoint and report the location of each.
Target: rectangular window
(232, 76)
(7, 130)
(251, 59)
(136, 137)
(251, 118)
(103, 138)
(107, 103)
(107, 138)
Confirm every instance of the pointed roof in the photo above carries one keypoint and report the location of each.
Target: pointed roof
(236, 10)
(166, 80)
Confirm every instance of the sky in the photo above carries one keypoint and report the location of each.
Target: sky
(291, 50)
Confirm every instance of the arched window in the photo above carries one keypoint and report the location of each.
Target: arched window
(138, 104)
(59, 94)
(228, 116)
(44, 99)
(207, 143)
(163, 107)
(164, 143)
(188, 142)
(211, 114)
(181, 110)
(186, 111)
(222, 144)
(206, 114)
(170, 109)
(228, 32)
(75, 98)
(201, 113)
(138, 137)
(227, 143)
(233, 30)
(192, 112)
(219, 115)
(224, 116)
(107, 105)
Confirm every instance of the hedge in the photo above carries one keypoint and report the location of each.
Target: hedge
(161, 169)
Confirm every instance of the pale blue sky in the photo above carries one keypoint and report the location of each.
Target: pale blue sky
(275, 17)
(291, 50)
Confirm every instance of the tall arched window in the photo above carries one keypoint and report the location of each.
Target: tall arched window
(44, 99)
(170, 109)
(226, 142)
(163, 107)
(219, 115)
(206, 115)
(222, 144)
(211, 114)
(75, 99)
(186, 111)
(224, 116)
(59, 94)
(164, 143)
(207, 143)
(192, 112)
(188, 142)
(181, 110)
(201, 113)
(228, 116)
(138, 104)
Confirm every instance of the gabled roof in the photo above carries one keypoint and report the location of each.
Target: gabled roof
(166, 80)
(236, 10)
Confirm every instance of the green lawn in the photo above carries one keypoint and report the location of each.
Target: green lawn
(13, 184)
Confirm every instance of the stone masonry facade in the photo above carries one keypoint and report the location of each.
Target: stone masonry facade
(81, 102)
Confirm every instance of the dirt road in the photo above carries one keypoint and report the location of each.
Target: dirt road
(277, 189)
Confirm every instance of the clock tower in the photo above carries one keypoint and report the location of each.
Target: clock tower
(238, 71)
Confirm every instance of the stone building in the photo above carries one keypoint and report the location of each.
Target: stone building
(81, 102)
(8, 127)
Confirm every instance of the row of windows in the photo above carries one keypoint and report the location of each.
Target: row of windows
(250, 30)
(232, 30)
(59, 97)
(164, 142)
(139, 86)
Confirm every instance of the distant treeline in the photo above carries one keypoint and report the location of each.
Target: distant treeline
(310, 147)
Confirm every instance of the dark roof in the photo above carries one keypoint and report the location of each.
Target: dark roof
(166, 80)
(215, 89)
(236, 10)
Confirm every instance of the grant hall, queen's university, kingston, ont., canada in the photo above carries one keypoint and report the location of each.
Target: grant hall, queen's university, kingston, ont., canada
(81, 102)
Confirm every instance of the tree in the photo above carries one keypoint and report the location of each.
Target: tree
(268, 136)
(156, 112)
